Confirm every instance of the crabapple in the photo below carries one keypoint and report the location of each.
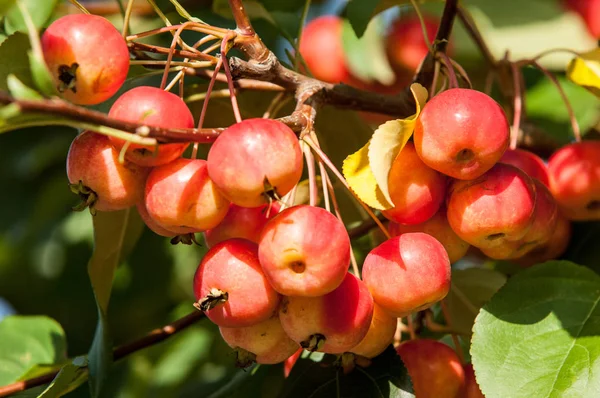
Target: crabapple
(241, 222)
(574, 172)
(231, 288)
(322, 49)
(153, 107)
(181, 197)
(332, 323)
(304, 251)
(461, 133)
(380, 334)
(150, 223)
(529, 162)
(494, 208)
(554, 248)
(407, 273)
(438, 227)
(472, 389)
(97, 176)
(545, 214)
(405, 45)
(434, 368)
(264, 342)
(87, 56)
(254, 161)
(416, 190)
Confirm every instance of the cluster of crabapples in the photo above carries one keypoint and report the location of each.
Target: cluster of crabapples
(275, 278)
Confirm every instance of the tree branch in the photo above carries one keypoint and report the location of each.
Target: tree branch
(241, 18)
(152, 338)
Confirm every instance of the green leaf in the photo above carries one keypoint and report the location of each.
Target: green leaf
(539, 336)
(40, 12)
(385, 377)
(68, 379)
(41, 74)
(27, 341)
(21, 91)
(115, 235)
(14, 59)
(183, 12)
(5, 6)
(470, 290)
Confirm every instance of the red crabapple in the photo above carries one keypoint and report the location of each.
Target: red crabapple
(407, 273)
(181, 197)
(494, 208)
(231, 288)
(332, 323)
(472, 389)
(264, 342)
(438, 227)
(150, 223)
(304, 251)
(461, 133)
(95, 173)
(254, 161)
(241, 222)
(434, 368)
(554, 248)
(416, 189)
(153, 107)
(87, 56)
(380, 334)
(574, 172)
(529, 162)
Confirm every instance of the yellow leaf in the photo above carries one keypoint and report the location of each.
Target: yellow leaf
(358, 173)
(585, 70)
(389, 139)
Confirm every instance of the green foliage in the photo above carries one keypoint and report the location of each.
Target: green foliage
(26, 342)
(40, 12)
(540, 335)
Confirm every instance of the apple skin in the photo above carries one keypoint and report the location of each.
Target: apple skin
(545, 216)
(438, 227)
(249, 153)
(304, 251)
(241, 222)
(322, 49)
(380, 335)
(416, 190)
(342, 317)
(495, 208)
(529, 162)
(574, 172)
(407, 273)
(461, 133)
(554, 248)
(472, 389)
(150, 223)
(405, 45)
(94, 161)
(589, 11)
(153, 107)
(434, 368)
(232, 266)
(99, 50)
(265, 340)
(180, 197)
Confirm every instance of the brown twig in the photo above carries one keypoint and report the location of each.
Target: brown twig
(241, 18)
(152, 338)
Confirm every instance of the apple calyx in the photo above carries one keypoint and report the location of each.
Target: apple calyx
(67, 75)
(213, 298)
(87, 195)
(243, 358)
(314, 342)
(185, 239)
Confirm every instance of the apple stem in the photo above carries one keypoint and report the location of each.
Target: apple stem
(163, 82)
(452, 79)
(457, 346)
(517, 105)
(209, 90)
(224, 49)
(312, 177)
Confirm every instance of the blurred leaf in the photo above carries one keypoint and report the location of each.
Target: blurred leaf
(14, 59)
(385, 377)
(69, 378)
(547, 109)
(5, 6)
(389, 139)
(21, 91)
(183, 12)
(278, 5)
(27, 341)
(253, 8)
(40, 12)
(539, 336)
(360, 12)
(115, 235)
(584, 70)
(41, 74)
(470, 289)
(366, 57)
